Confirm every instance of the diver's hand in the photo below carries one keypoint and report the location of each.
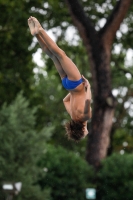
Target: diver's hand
(86, 82)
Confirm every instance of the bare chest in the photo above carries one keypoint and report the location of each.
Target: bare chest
(77, 104)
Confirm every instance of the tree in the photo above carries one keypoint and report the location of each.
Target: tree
(66, 173)
(116, 177)
(21, 147)
(61, 23)
(98, 46)
(16, 66)
(62, 20)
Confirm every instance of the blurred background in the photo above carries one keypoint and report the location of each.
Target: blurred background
(34, 149)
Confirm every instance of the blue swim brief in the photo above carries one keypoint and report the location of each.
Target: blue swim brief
(70, 85)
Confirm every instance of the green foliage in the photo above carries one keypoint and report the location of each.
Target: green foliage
(21, 147)
(123, 140)
(65, 173)
(16, 64)
(116, 178)
(16, 73)
(59, 23)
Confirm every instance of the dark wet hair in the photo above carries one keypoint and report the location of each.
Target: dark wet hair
(75, 130)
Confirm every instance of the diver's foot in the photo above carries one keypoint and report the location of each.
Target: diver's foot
(31, 26)
(38, 26)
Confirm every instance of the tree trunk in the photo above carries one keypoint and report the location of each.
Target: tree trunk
(98, 46)
(103, 106)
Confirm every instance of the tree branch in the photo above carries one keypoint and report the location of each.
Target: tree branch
(108, 32)
(81, 21)
(125, 71)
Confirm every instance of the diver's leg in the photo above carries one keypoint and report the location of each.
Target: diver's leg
(52, 56)
(68, 66)
(45, 49)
